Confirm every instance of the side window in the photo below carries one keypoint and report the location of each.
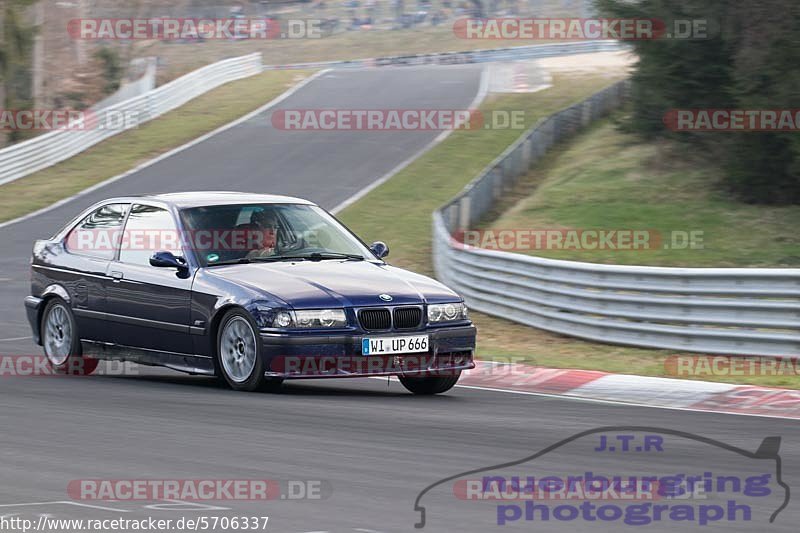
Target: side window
(97, 235)
(149, 230)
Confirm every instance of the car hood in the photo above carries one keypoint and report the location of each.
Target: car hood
(317, 284)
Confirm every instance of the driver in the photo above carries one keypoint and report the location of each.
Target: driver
(266, 222)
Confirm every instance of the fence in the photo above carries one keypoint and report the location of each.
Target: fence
(24, 158)
(741, 311)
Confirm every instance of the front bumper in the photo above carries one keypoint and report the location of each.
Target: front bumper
(32, 308)
(291, 356)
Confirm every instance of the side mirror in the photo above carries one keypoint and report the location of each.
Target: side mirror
(167, 260)
(380, 249)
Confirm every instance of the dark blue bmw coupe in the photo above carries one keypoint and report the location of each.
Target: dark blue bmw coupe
(252, 288)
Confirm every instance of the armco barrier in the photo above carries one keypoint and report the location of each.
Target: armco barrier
(741, 311)
(21, 159)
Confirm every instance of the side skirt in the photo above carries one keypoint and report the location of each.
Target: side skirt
(191, 364)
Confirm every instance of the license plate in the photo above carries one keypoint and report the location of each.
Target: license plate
(391, 345)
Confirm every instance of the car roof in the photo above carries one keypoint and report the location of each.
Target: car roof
(208, 198)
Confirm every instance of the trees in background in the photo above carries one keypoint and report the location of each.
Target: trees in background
(748, 61)
(16, 47)
(112, 68)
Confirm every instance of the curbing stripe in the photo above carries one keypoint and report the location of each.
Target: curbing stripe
(663, 393)
(649, 390)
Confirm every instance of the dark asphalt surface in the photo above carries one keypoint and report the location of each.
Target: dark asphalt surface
(373, 446)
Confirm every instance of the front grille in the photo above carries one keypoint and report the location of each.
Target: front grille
(407, 317)
(375, 319)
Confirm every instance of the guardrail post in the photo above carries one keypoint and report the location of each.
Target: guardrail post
(586, 113)
(464, 212)
(527, 154)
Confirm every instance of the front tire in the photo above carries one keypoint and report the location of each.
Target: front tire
(239, 358)
(61, 342)
(429, 385)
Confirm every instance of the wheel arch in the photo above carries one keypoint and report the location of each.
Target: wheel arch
(51, 292)
(56, 289)
(216, 321)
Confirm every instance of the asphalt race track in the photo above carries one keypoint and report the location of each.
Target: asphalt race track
(372, 446)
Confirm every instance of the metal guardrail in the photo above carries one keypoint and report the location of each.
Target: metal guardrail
(740, 311)
(24, 158)
(465, 57)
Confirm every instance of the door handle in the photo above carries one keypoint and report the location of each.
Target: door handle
(116, 275)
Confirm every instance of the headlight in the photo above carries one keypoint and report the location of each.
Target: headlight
(268, 317)
(283, 319)
(447, 312)
(320, 318)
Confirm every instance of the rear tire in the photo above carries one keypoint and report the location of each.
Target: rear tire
(429, 385)
(61, 342)
(239, 359)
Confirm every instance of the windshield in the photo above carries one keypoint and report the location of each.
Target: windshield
(268, 232)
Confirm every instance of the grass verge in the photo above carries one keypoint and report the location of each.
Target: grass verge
(399, 212)
(607, 180)
(128, 149)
